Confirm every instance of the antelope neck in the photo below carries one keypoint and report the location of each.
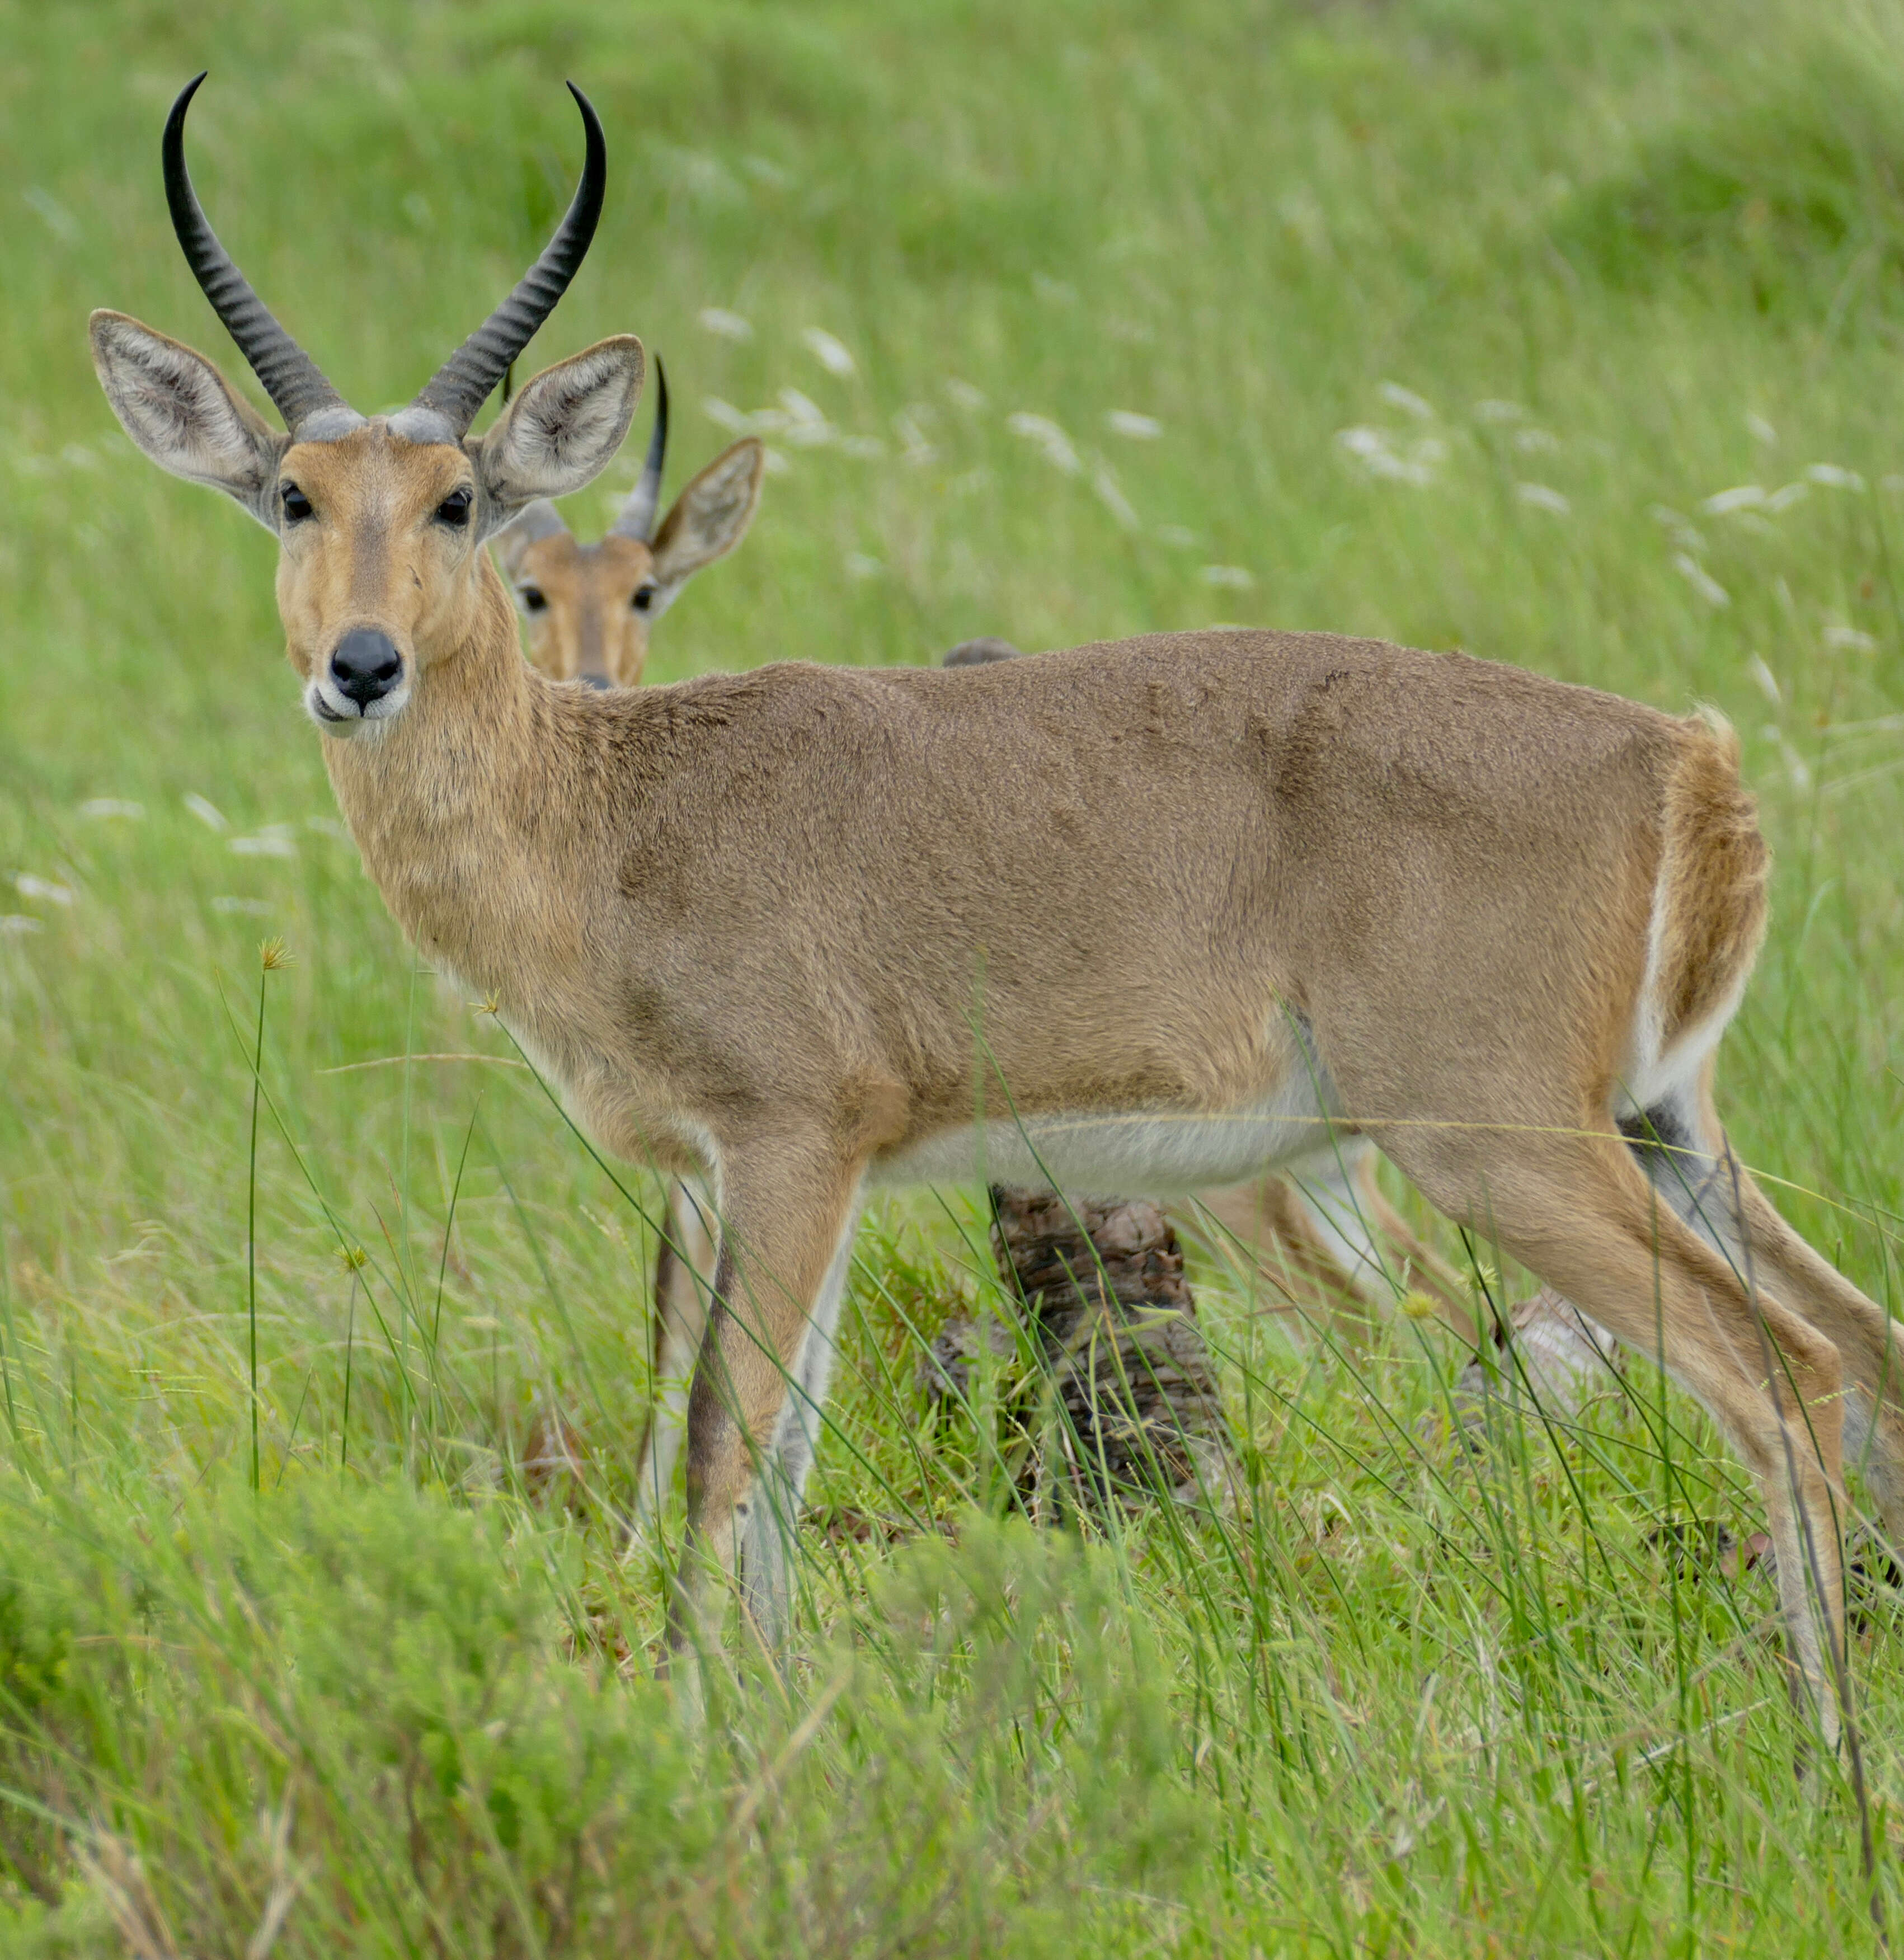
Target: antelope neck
(456, 808)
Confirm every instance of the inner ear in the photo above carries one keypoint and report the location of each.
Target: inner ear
(561, 431)
(179, 410)
(711, 515)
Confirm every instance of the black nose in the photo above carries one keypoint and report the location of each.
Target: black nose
(365, 666)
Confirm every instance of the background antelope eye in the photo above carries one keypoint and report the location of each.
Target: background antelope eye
(533, 597)
(297, 504)
(455, 509)
(644, 598)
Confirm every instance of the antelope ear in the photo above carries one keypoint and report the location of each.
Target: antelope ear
(538, 520)
(983, 653)
(183, 413)
(709, 518)
(561, 431)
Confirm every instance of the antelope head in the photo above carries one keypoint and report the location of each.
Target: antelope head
(590, 606)
(380, 520)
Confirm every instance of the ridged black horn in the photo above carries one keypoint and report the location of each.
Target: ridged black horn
(291, 377)
(637, 514)
(465, 381)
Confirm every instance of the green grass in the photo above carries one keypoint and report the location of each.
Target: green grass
(1395, 1698)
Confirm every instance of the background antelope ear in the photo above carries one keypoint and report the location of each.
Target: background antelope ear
(709, 518)
(182, 412)
(561, 431)
(538, 520)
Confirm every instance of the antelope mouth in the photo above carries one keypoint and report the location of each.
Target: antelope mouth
(336, 714)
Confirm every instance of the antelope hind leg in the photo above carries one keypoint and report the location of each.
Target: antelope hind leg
(1865, 1337)
(1867, 1341)
(1328, 1242)
(1583, 1216)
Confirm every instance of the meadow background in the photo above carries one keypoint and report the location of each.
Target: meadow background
(1566, 333)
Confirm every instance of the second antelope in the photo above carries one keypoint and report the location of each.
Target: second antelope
(590, 606)
(1153, 915)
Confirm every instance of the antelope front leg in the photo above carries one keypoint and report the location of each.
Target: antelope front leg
(683, 1287)
(784, 1214)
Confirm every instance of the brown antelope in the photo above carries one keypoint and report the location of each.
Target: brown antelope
(590, 606)
(1156, 914)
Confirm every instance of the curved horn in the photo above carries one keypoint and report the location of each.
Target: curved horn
(465, 381)
(637, 518)
(291, 377)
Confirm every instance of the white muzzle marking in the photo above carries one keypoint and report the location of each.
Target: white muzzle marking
(336, 714)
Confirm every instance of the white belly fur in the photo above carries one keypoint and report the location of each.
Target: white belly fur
(1160, 1153)
(1115, 1153)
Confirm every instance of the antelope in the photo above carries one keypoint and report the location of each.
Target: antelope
(1153, 914)
(589, 607)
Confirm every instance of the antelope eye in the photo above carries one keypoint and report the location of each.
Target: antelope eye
(644, 598)
(533, 597)
(297, 504)
(455, 510)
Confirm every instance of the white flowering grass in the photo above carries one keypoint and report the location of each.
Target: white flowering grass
(726, 325)
(1132, 426)
(1051, 441)
(268, 840)
(1742, 496)
(829, 350)
(1410, 403)
(1702, 581)
(1391, 457)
